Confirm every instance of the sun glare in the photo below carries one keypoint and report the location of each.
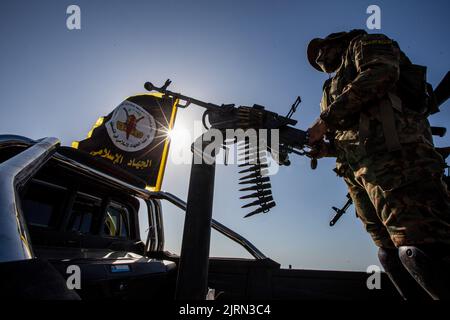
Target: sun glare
(179, 137)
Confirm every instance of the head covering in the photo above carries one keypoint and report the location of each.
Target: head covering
(316, 44)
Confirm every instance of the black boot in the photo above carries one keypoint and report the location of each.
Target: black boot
(427, 265)
(408, 288)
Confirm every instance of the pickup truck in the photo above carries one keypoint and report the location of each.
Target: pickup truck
(61, 208)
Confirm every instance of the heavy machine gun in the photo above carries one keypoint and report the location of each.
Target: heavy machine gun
(194, 256)
(252, 153)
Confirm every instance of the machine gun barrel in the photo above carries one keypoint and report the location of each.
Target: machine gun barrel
(442, 91)
(150, 87)
(227, 116)
(444, 152)
(438, 131)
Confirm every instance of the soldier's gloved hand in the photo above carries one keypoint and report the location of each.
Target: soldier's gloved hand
(317, 131)
(320, 150)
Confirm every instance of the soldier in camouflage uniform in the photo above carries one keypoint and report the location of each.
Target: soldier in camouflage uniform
(385, 154)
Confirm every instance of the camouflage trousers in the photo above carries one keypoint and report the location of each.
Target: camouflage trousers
(400, 196)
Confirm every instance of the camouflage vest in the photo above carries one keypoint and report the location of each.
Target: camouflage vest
(383, 124)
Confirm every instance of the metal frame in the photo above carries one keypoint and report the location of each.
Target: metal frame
(14, 173)
(159, 225)
(247, 245)
(20, 168)
(151, 242)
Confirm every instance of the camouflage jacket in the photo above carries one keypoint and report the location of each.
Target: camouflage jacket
(365, 86)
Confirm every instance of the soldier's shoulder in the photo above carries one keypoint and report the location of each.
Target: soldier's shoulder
(372, 43)
(373, 39)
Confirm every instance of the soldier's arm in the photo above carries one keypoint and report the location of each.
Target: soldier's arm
(376, 58)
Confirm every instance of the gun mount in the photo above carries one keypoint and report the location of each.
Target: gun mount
(192, 277)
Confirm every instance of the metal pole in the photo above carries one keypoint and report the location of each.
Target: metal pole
(192, 282)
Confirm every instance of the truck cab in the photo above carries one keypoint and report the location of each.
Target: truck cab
(65, 209)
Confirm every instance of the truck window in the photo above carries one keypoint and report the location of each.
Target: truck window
(86, 211)
(42, 204)
(116, 222)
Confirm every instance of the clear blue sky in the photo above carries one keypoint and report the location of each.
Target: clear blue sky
(56, 82)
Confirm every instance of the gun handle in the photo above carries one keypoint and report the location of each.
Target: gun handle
(335, 219)
(337, 216)
(313, 163)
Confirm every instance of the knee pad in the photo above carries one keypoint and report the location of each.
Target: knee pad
(427, 270)
(406, 286)
(388, 258)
